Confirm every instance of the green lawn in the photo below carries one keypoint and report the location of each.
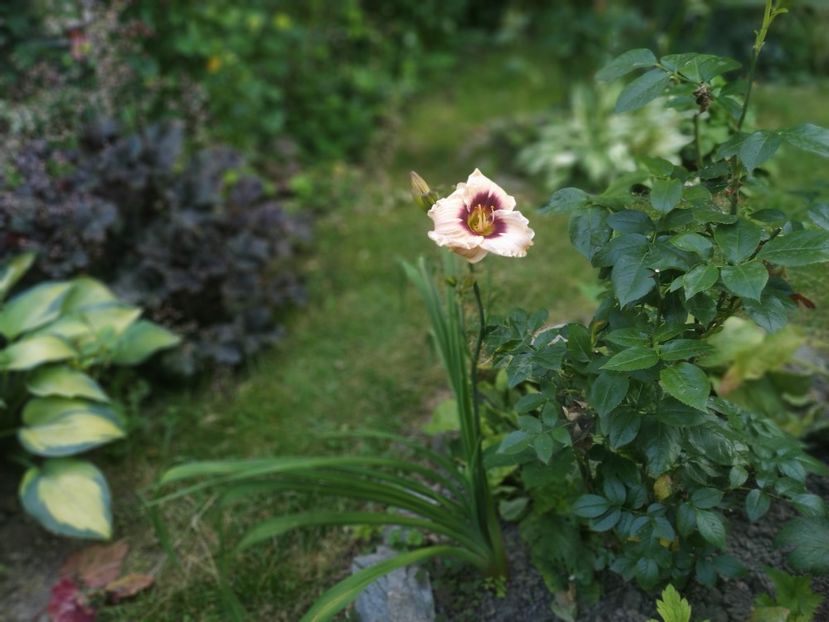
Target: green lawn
(358, 356)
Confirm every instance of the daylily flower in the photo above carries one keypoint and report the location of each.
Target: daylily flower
(479, 217)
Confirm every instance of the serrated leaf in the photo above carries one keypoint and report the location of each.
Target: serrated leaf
(643, 90)
(589, 230)
(590, 506)
(757, 504)
(706, 498)
(739, 240)
(565, 201)
(687, 383)
(623, 427)
(758, 147)
(820, 215)
(797, 248)
(770, 314)
(606, 522)
(711, 527)
(666, 194)
(608, 391)
(694, 243)
(68, 497)
(672, 607)
(662, 447)
(512, 509)
(625, 63)
(631, 279)
(632, 359)
(544, 446)
(737, 476)
(808, 539)
(681, 349)
(808, 137)
(700, 279)
(746, 280)
(628, 337)
(630, 221)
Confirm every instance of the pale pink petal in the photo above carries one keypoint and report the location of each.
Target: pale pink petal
(479, 184)
(514, 240)
(450, 229)
(472, 255)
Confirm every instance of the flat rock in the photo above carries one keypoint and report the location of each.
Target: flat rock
(404, 595)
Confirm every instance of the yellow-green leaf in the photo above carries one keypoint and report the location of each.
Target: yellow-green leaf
(140, 341)
(57, 426)
(64, 381)
(68, 497)
(33, 351)
(12, 270)
(33, 308)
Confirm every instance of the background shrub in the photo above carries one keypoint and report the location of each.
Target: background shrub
(197, 241)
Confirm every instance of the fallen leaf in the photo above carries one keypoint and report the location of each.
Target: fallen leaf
(97, 565)
(67, 604)
(128, 586)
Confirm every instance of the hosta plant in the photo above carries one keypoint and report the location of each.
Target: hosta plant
(623, 408)
(57, 337)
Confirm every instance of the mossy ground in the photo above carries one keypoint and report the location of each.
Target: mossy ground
(358, 355)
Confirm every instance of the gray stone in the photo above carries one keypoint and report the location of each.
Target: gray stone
(404, 595)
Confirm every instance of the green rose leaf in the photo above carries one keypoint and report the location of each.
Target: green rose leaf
(565, 201)
(739, 240)
(589, 230)
(625, 63)
(808, 137)
(700, 279)
(631, 279)
(590, 506)
(608, 391)
(623, 426)
(687, 383)
(798, 248)
(746, 280)
(643, 90)
(706, 498)
(632, 359)
(758, 147)
(808, 541)
(820, 215)
(711, 527)
(666, 194)
(757, 504)
(682, 349)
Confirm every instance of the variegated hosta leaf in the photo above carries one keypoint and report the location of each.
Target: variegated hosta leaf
(32, 351)
(142, 340)
(57, 426)
(12, 270)
(68, 497)
(33, 308)
(63, 381)
(108, 320)
(87, 292)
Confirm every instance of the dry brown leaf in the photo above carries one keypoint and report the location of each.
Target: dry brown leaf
(128, 586)
(97, 565)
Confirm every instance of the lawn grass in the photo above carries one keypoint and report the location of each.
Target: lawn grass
(358, 355)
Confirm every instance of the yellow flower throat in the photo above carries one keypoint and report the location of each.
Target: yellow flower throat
(481, 220)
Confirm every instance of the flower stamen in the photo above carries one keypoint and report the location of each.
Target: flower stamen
(481, 220)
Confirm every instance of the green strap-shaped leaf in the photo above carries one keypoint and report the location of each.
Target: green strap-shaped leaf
(62, 381)
(140, 341)
(33, 308)
(57, 426)
(33, 351)
(341, 595)
(12, 270)
(68, 497)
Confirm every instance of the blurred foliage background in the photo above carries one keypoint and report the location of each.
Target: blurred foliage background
(220, 163)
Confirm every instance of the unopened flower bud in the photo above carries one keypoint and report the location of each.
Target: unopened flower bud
(421, 192)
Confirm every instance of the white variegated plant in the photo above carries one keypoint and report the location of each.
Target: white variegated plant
(56, 337)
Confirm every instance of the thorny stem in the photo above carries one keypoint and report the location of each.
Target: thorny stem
(697, 144)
